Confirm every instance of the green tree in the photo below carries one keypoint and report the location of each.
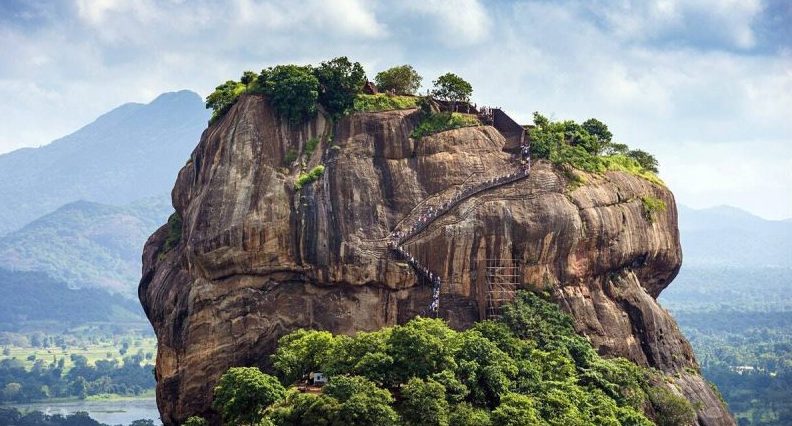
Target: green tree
(599, 131)
(302, 352)
(243, 393)
(362, 402)
(467, 415)
(515, 410)
(402, 80)
(79, 387)
(339, 81)
(247, 78)
(453, 88)
(364, 355)
(304, 409)
(424, 403)
(11, 391)
(419, 348)
(484, 369)
(291, 89)
(645, 159)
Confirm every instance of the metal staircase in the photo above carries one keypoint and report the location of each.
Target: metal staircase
(427, 212)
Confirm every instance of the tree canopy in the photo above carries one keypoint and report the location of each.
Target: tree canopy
(295, 90)
(529, 367)
(453, 88)
(243, 393)
(403, 80)
(292, 90)
(339, 81)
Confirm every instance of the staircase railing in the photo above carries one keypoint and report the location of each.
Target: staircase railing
(425, 218)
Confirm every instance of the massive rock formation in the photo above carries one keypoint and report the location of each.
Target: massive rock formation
(256, 258)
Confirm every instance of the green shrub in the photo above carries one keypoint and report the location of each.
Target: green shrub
(622, 163)
(196, 421)
(174, 232)
(306, 178)
(223, 97)
(442, 121)
(384, 102)
(671, 409)
(651, 206)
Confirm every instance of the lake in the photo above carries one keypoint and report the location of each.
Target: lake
(108, 412)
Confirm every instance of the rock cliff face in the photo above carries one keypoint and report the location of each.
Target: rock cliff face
(257, 259)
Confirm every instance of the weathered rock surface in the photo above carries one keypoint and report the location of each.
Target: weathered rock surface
(257, 259)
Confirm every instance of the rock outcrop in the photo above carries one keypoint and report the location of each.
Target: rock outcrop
(257, 259)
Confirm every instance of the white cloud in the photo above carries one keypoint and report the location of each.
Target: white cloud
(683, 101)
(455, 23)
(711, 21)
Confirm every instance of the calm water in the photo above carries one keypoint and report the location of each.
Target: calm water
(108, 412)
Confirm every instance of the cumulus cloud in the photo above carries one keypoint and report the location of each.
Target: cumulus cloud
(702, 83)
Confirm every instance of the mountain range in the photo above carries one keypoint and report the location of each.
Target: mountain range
(728, 236)
(129, 153)
(75, 213)
(87, 244)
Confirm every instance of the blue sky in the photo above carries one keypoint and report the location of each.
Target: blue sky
(706, 85)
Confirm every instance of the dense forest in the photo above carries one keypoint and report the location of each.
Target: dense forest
(527, 368)
(739, 321)
(50, 380)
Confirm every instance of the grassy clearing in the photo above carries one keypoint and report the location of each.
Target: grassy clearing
(442, 121)
(622, 163)
(384, 102)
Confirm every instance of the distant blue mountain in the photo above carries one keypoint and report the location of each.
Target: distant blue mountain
(129, 153)
(731, 259)
(728, 236)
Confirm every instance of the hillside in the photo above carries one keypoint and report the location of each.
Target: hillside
(34, 297)
(86, 244)
(129, 153)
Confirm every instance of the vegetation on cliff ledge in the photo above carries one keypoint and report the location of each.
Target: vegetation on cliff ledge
(528, 368)
(441, 121)
(307, 177)
(589, 147)
(294, 91)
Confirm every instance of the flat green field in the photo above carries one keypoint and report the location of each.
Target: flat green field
(106, 350)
